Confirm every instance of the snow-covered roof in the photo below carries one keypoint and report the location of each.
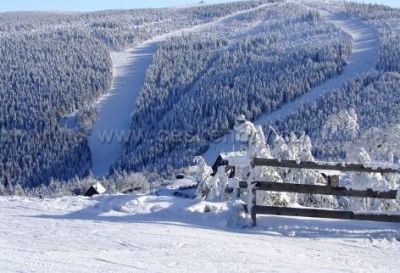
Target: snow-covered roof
(99, 188)
(239, 158)
(229, 155)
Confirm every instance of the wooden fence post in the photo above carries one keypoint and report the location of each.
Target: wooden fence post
(253, 207)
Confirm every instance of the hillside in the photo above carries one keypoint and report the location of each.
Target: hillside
(147, 90)
(50, 92)
(252, 63)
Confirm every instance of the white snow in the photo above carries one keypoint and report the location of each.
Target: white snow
(128, 233)
(115, 109)
(366, 45)
(112, 127)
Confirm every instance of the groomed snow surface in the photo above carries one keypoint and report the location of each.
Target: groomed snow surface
(138, 233)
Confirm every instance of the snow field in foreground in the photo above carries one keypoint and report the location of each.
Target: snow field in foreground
(133, 233)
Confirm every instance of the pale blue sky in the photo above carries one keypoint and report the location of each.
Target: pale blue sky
(89, 5)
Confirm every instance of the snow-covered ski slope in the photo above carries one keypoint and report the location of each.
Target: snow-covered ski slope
(112, 124)
(120, 233)
(366, 45)
(112, 127)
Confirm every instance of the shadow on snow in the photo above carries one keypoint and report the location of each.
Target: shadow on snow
(167, 210)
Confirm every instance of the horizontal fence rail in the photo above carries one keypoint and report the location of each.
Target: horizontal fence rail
(317, 189)
(345, 167)
(324, 213)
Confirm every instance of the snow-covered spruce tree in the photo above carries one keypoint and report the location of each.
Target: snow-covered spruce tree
(254, 137)
(299, 149)
(291, 148)
(374, 147)
(203, 177)
(214, 187)
(343, 125)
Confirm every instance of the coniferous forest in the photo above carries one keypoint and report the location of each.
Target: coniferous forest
(199, 81)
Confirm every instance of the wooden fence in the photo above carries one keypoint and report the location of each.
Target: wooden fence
(317, 189)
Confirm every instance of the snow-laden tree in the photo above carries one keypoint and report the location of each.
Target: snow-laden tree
(290, 148)
(257, 147)
(203, 176)
(299, 149)
(343, 123)
(375, 147)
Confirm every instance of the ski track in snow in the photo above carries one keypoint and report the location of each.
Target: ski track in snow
(112, 126)
(366, 46)
(128, 233)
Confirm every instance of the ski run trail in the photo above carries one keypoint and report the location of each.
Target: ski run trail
(112, 127)
(366, 46)
(138, 233)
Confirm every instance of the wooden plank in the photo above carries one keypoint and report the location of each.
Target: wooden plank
(323, 213)
(253, 212)
(324, 190)
(332, 166)
(316, 189)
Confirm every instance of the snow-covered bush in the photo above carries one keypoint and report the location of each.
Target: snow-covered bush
(128, 182)
(256, 144)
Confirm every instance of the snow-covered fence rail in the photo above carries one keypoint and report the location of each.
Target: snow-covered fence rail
(325, 213)
(317, 189)
(332, 166)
